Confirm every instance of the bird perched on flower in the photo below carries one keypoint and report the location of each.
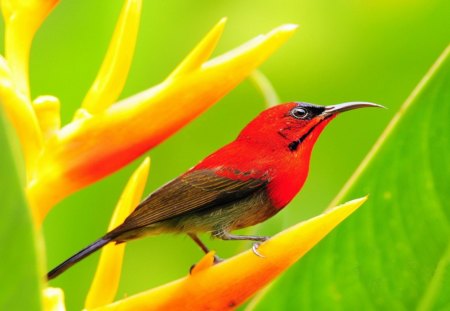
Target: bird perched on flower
(240, 185)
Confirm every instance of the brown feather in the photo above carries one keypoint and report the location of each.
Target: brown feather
(194, 191)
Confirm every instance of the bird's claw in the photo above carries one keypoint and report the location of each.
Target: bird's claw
(255, 250)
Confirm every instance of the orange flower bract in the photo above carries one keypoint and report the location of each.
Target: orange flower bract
(77, 156)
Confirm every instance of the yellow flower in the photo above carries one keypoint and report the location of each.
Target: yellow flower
(60, 161)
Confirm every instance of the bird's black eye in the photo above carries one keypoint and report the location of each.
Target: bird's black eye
(299, 113)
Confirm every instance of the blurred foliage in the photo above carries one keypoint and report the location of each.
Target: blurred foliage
(19, 270)
(343, 51)
(394, 253)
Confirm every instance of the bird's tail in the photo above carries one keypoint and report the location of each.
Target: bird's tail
(78, 256)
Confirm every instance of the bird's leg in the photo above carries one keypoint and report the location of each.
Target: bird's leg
(204, 248)
(225, 235)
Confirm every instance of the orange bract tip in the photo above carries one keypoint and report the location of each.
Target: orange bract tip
(230, 283)
(201, 52)
(204, 263)
(114, 71)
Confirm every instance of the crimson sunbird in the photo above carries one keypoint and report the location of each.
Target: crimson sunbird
(240, 185)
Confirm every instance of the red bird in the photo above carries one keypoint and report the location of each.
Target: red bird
(240, 185)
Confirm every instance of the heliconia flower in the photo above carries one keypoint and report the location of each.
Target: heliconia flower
(77, 156)
(60, 161)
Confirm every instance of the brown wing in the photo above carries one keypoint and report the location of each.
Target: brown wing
(193, 191)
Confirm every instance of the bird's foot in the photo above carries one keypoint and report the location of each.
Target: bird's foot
(256, 245)
(255, 250)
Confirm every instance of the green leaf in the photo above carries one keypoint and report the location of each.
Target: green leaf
(394, 253)
(19, 273)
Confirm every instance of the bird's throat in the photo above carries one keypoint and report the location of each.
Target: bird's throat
(293, 145)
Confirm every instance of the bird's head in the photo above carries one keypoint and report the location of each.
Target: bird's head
(295, 125)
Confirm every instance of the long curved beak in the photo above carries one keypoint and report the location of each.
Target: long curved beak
(329, 110)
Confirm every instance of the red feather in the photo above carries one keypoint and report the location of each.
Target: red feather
(261, 151)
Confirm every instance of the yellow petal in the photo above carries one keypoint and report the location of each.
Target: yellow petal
(228, 284)
(114, 71)
(22, 20)
(80, 156)
(53, 299)
(47, 109)
(106, 280)
(21, 114)
(201, 52)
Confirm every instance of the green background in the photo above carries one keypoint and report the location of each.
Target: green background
(343, 51)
